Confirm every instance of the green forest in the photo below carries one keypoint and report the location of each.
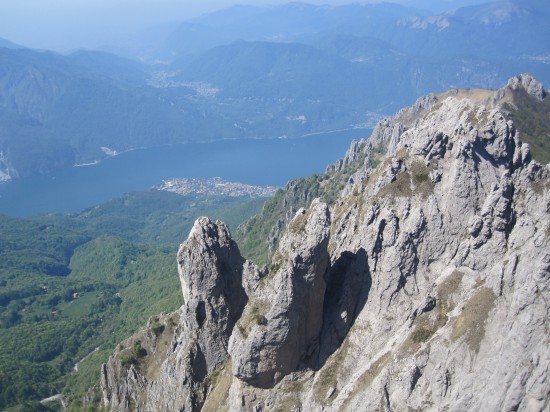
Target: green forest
(73, 286)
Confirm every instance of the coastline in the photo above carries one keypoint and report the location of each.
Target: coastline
(223, 139)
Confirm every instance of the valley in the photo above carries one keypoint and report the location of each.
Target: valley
(371, 173)
(205, 80)
(72, 286)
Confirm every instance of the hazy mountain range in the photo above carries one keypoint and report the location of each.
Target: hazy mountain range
(255, 72)
(412, 273)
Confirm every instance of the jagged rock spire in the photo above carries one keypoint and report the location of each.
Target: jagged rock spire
(281, 324)
(210, 267)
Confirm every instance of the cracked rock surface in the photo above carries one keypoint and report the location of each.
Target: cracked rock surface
(426, 286)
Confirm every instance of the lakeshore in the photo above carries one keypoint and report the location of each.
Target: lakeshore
(257, 162)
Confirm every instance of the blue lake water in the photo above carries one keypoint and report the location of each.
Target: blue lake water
(258, 162)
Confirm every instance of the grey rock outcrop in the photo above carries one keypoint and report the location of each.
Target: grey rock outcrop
(210, 268)
(163, 366)
(451, 240)
(426, 286)
(528, 83)
(281, 324)
(426, 249)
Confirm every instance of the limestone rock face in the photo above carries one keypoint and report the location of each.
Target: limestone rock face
(281, 324)
(425, 286)
(528, 83)
(210, 268)
(164, 365)
(424, 308)
(444, 222)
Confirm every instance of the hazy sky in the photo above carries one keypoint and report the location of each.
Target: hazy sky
(67, 24)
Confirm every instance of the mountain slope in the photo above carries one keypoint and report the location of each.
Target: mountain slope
(424, 286)
(527, 109)
(9, 45)
(72, 286)
(478, 30)
(256, 72)
(58, 111)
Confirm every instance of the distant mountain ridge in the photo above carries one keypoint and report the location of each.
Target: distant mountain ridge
(257, 72)
(481, 30)
(399, 25)
(9, 45)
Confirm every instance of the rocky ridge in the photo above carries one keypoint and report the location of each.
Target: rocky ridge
(425, 286)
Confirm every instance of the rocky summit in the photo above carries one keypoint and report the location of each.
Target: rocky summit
(424, 286)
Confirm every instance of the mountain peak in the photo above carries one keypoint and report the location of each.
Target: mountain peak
(435, 252)
(529, 83)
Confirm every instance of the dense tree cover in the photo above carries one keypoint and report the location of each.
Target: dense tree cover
(51, 247)
(73, 286)
(159, 217)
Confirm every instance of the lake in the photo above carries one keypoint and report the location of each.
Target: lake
(251, 161)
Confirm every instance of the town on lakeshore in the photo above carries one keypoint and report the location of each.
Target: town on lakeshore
(214, 186)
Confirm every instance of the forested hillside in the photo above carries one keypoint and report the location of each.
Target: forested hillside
(72, 286)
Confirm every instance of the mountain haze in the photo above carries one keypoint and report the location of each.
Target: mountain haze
(260, 72)
(411, 274)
